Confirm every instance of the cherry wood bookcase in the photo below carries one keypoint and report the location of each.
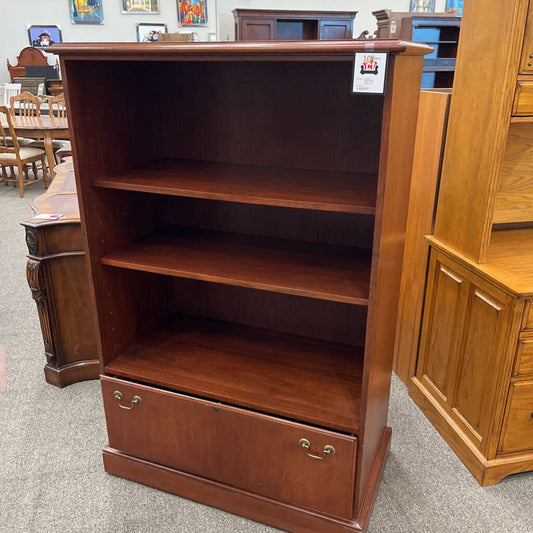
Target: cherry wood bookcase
(244, 238)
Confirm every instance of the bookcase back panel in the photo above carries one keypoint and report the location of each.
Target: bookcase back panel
(344, 229)
(514, 200)
(283, 114)
(317, 319)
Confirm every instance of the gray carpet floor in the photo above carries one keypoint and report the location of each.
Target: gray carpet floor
(51, 473)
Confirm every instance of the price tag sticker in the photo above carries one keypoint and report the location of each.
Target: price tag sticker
(370, 72)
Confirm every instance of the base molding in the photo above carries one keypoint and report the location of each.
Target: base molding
(259, 508)
(485, 471)
(72, 372)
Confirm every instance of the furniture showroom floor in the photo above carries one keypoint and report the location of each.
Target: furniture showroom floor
(51, 473)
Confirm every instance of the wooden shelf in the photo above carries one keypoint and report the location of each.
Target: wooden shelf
(294, 377)
(286, 187)
(334, 273)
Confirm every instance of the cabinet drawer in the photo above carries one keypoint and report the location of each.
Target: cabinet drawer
(527, 321)
(524, 356)
(523, 99)
(518, 427)
(258, 453)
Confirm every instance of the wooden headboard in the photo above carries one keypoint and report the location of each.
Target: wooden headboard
(27, 56)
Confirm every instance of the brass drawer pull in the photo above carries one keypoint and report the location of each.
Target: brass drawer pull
(328, 450)
(118, 395)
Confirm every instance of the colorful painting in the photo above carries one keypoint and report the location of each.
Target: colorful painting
(149, 33)
(422, 6)
(192, 12)
(455, 4)
(43, 36)
(140, 7)
(86, 11)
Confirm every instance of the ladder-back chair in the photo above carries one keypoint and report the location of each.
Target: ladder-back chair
(11, 154)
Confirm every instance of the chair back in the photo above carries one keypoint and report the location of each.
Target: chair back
(9, 143)
(57, 106)
(11, 89)
(27, 104)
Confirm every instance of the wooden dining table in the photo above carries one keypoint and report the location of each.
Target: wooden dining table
(46, 128)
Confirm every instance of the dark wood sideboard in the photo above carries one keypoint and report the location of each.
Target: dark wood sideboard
(58, 281)
(290, 25)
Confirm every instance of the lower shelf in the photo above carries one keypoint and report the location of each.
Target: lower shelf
(294, 377)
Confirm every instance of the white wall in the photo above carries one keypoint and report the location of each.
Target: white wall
(15, 15)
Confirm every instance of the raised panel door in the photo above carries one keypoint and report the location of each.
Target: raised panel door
(480, 354)
(258, 29)
(442, 324)
(335, 29)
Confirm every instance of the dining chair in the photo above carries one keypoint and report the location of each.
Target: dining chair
(11, 89)
(27, 105)
(12, 154)
(57, 106)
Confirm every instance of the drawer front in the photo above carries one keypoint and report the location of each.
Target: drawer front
(523, 100)
(526, 61)
(527, 322)
(524, 356)
(247, 450)
(518, 426)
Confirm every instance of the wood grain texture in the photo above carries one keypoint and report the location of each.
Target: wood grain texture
(526, 61)
(306, 380)
(305, 189)
(469, 183)
(234, 51)
(517, 432)
(239, 448)
(524, 357)
(397, 147)
(279, 514)
(508, 263)
(429, 146)
(324, 272)
(514, 199)
(523, 100)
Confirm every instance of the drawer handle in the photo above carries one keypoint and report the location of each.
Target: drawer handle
(328, 450)
(136, 399)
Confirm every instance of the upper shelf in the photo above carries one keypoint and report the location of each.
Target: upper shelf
(324, 272)
(305, 189)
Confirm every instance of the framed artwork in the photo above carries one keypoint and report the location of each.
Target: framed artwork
(86, 11)
(140, 7)
(422, 6)
(149, 33)
(192, 12)
(455, 4)
(43, 36)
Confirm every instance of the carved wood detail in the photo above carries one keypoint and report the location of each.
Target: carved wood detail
(32, 241)
(35, 277)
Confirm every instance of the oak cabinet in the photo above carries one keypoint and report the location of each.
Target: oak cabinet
(245, 267)
(473, 377)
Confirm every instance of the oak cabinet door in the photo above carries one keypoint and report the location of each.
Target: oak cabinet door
(465, 340)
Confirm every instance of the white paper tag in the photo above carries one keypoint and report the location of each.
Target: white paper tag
(369, 74)
(44, 216)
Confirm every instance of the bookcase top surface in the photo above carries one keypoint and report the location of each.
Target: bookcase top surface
(223, 51)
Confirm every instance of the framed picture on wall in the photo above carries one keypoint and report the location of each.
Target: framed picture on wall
(192, 12)
(455, 4)
(86, 11)
(43, 36)
(140, 7)
(149, 33)
(422, 6)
